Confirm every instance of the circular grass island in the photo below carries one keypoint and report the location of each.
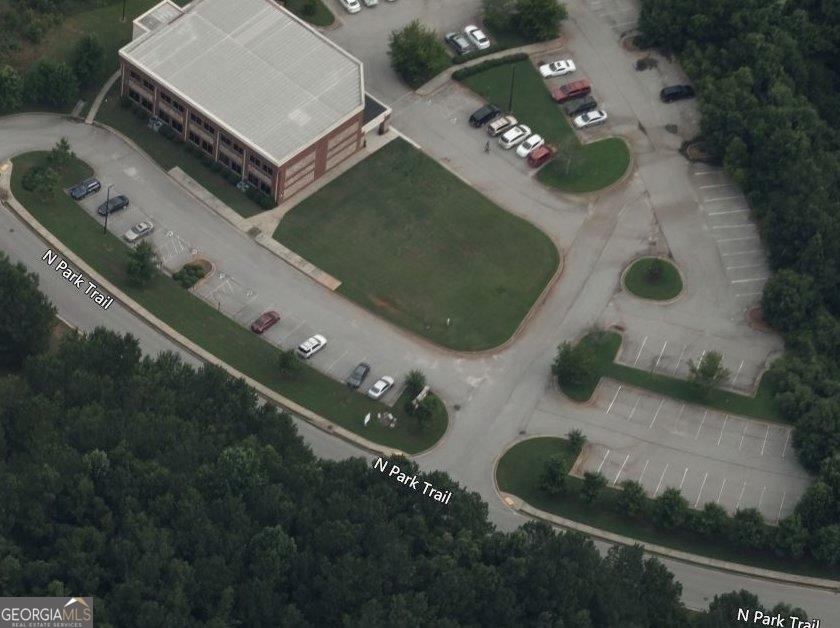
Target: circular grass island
(653, 278)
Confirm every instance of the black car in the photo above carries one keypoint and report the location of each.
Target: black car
(85, 189)
(457, 42)
(579, 106)
(358, 375)
(676, 92)
(114, 204)
(484, 115)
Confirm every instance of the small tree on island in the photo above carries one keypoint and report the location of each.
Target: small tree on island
(142, 263)
(553, 476)
(593, 483)
(60, 155)
(415, 381)
(708, 373)
(576, 440)
(655, 270)
(574, 364)
(288, 363)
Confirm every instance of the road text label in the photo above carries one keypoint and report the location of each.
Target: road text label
(77, 280)
(761, 618)
(412, 481)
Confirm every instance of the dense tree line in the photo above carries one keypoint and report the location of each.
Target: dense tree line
(175, 498)
(768, 74)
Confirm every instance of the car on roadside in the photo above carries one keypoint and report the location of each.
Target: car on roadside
(676, 92)
(529, 144)
(482, 116)
(513, 136)
(311, 346)
(265, 321)
(570, 91)
(85, 189)
(477, 37)
(113, 204)
(139, 231)
(500, 125)
(561, 67)
(580, 105)
(457, 42)
(355, 379)
(540, 155)
(591, 118)
(382, 385)
(352, 6)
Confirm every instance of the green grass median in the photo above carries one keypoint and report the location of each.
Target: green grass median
(653, 278)
(207, 327)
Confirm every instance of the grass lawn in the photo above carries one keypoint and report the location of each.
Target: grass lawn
(321, 15)
(605, 346)
(639, 281)
(518, 473)
(168, 154)
(212, 330)
(417, 246)
(578, 168)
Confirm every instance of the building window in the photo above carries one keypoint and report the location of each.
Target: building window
(224, 159)
(207, 146)
(238, 148)
(166, 97)
(195, 139)
(149, 85)
(253, 180)
(265, 187)
(254, 160)
(163, 116)
(195, 118)
(236, 166)
(209, 127)
(178, 126)
(178, 106)
(268, 170)
(147, 104)
(133, 95)
(134, 75)
(225, 139)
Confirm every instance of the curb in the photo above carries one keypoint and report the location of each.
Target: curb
(199, 352)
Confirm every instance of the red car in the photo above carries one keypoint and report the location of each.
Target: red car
(539, 156)
(264, 322)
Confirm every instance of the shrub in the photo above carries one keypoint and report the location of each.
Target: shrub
(463, 73)
(553, 476)
(415, 381)
(189, 275)
(576, 440)
(40, 179)
(417, 54)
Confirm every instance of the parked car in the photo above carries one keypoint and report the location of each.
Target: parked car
(382, 385)
(457, 42)
(114, 204)
(540, 155)
(512, 137)
(371, 3)
(580, 105)
(529, 144)
(557, 68)
(482, 116)
(569, 91)
(591, 118)
(477, 37)
(676, 92)
(500, 125)
(352, 6)
(85, 189)
(310, 347)
(265, 321)
(358, 375)
(138, 231)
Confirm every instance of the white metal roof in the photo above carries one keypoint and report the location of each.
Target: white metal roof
(256, 69)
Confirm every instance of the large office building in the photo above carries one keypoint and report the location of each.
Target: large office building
(254, 87)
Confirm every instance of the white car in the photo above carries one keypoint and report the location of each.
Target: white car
(312, 346)
(512, 137)
(557, 68)
(591, 118)
(138, 231)
(533, 141)
(352, 6)
(382, 385)
(371, 3)
(477, 36)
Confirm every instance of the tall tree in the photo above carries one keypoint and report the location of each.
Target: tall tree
(416, 54)
(88, 60)
(142, 264)
(26, 315)
(11, 88)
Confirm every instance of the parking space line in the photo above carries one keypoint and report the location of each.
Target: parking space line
(640, 351)
(743, 224)
(721, 198)
(744, 266)
(697, 501)
(728, 211)
(613, 401)
(723, 427)
(752, 237)
(656, 414)
(741, 252)
(787, 440)
(635, 405)
(702, 172)
(661, 477)
(660, 356)
(738, 372)
(766, 434)
(741, 496)
(685, 473)
(743, 433)
(604, 460)
(749, 294)
(679, 359)
(750, 279)
(298, 326)
(615, 481)
(720, 492)
(641, 475)
(716, 185)
(760, 497)
(779, 516)
(329, 369)
(679, 416)
(705, 414)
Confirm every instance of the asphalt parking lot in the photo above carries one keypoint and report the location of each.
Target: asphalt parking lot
(621, 15)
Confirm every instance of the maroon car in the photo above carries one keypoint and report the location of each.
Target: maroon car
(264, 322)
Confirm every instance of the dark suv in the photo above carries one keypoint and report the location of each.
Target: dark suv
(457, 42)
(579, 106)
(676, 92)
(358, 375)
(85, 189)
(484, 115)
(112, 205)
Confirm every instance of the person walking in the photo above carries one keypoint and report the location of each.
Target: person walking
(487, 146)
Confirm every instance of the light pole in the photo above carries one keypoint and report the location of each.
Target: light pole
(123, 15)
(512, 81)
(107, 208)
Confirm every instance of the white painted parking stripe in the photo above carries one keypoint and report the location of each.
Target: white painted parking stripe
(702, 172)
(728, 211)
(641, 475)
(761, 497)
(779, 516)
(685, 473)
(679, 359)
(722, 427)
(705, 414)
(613, 401)
(748, 294)
(346, 351)
(660, 356)
(635, 405)
(766, 434)
(741, 496)
(660, 479)
(764, 278)
(752, 237)
(298, 326)
(743, 433)
(615, 481)
(604, 460)
(738, 226)
(679, 415)
(744, 266)
(656, 414)
(640, 351)
(721, 198)
(697, 501)
(717, 185)
(720, 492)
(787, 440)
(741, 252)
(738, 373)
